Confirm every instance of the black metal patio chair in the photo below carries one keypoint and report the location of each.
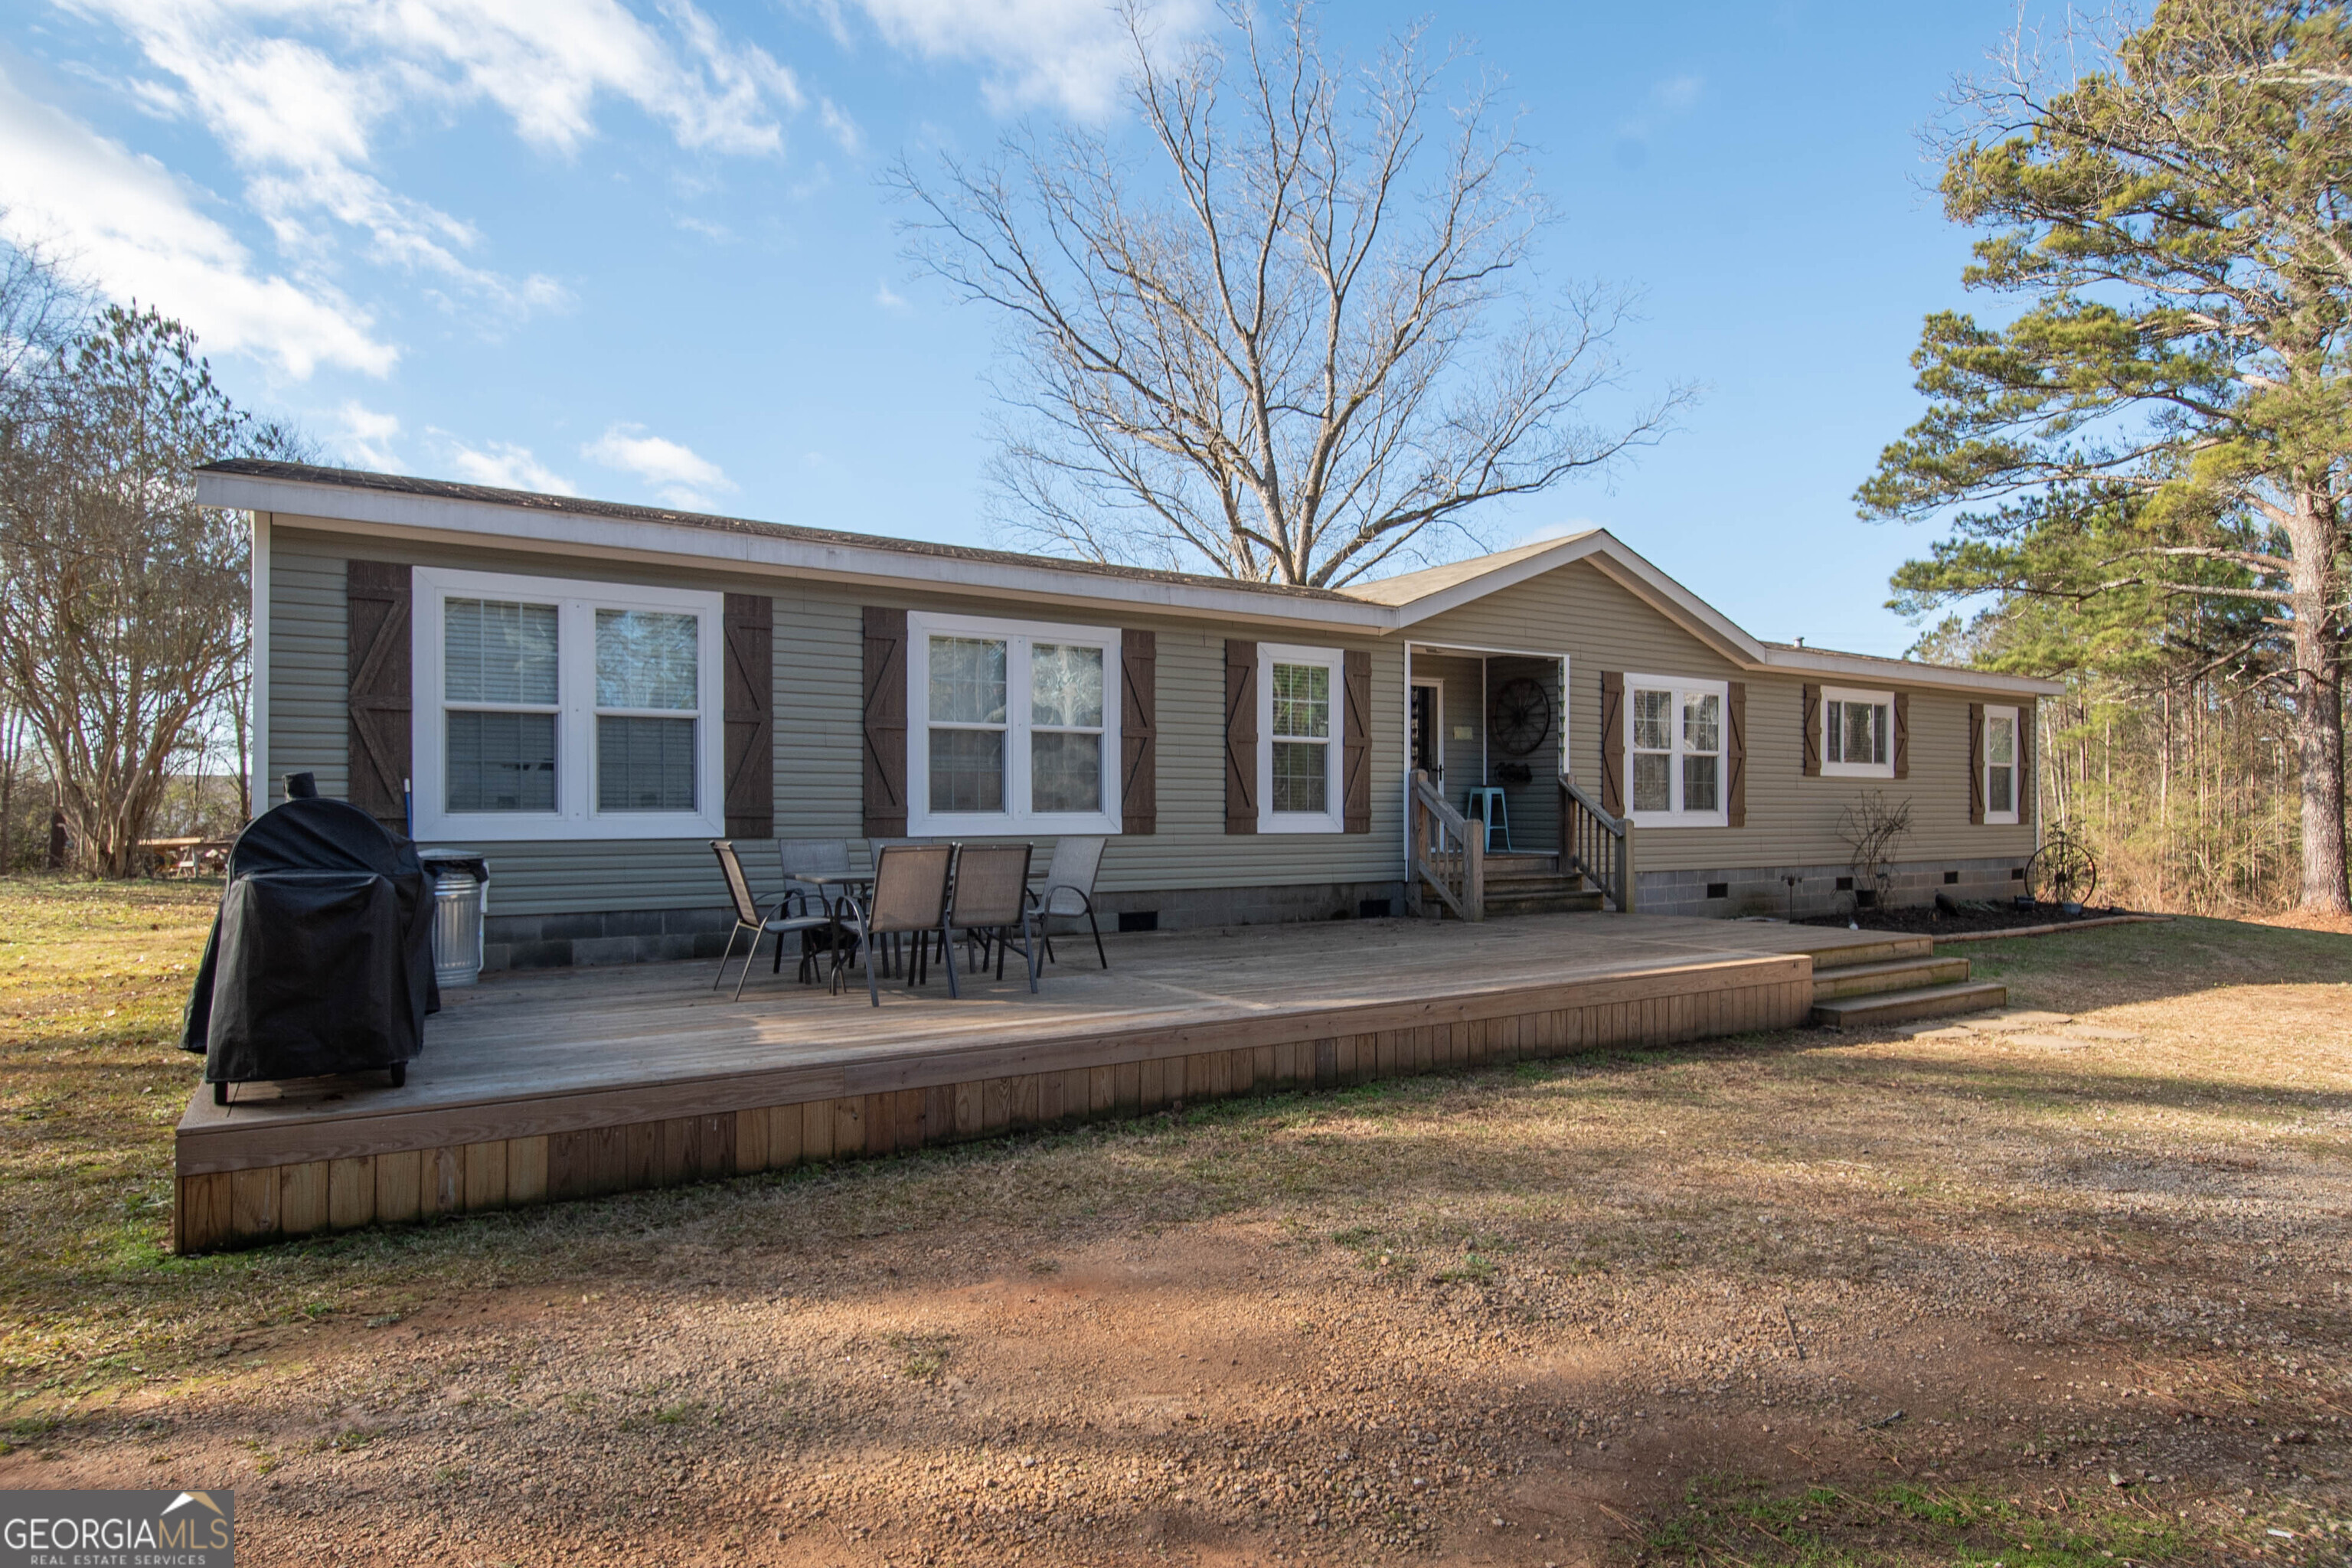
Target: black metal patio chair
(1069, 890)
(749, 918)
(990, 902)
(909, 897)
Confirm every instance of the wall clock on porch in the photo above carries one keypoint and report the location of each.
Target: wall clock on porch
(1520, 719)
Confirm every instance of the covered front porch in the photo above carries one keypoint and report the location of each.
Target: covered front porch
(538, 1085)
(1494, 824)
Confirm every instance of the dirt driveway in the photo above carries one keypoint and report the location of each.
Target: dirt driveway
(2071, 1286)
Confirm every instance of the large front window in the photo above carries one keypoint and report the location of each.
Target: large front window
(548, 709)
(1674, 751)
(1017, 726)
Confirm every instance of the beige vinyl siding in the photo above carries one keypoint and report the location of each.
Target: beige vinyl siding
(1791, 819)
(1192, 848)
(819, 731)
(310, 716)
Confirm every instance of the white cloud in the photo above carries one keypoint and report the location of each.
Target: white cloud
(125, 222)
(298, 92)
(1677, 94)
(890, 298)
(684, 477)
(1073, 53)
(364, 437)
(1669, 98)
(505, 465)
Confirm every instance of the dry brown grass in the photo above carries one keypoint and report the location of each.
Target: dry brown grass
(1644, 1304)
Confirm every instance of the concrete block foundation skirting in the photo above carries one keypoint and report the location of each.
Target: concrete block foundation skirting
(650, 936)
(1761, 890)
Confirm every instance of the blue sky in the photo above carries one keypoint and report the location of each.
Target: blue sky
(641, 252)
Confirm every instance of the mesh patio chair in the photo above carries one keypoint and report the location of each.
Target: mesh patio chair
(1069, 890)
(990, 902)
(909, 897)
(803, 858)
(749, 918)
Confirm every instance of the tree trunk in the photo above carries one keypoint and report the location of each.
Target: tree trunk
(2319, 703)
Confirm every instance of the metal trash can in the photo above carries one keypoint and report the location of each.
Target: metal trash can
(460, 881)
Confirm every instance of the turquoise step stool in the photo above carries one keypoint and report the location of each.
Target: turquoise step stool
(1487, 804)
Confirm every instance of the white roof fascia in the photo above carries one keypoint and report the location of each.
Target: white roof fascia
(1904, 672)
(448, 519)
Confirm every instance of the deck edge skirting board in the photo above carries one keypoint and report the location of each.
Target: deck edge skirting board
(285, 1176)
(221, 1141)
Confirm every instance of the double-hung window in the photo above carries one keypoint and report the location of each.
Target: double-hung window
(2000, 785)
(1301, 720)
(551, 709)
(1674, 751)
(1857, 733)
(1015, 726)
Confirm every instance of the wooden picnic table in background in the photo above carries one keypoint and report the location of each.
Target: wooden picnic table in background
(187, 856)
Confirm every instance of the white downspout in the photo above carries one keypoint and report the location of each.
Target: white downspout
(258, 653)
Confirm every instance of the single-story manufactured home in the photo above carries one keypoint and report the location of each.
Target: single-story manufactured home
(588, 692)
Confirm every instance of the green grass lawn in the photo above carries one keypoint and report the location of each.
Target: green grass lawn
(1862, 1168)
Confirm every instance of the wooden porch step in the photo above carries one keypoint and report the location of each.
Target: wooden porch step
(1894, 975)
(1549, 894)
(1901, 1007)
(1506, 863)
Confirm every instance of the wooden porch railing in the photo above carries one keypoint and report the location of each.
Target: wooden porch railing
(1596, 844)
(1449, 855)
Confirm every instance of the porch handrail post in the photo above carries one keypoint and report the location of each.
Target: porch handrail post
(1473, 874)
(1627, 882)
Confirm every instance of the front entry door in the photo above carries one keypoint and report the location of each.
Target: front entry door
(1428, 730)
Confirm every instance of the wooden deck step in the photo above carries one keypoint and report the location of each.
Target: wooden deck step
(1901, 1007)
(1893, 975)
(1847, 953)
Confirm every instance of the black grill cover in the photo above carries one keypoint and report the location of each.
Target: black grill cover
(321, 957)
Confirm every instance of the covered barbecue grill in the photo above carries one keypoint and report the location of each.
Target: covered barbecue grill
(322, 959)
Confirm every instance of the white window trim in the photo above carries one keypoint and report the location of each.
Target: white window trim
(575, 815)
(923, 822)
(2011, 817)
(1680, 685)
(1334, 819)
(1830, 770)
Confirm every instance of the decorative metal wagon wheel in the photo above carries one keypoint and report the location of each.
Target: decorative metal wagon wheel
(2062, 871)
(1521, 719)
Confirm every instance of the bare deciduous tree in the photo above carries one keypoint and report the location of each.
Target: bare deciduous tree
(123, 604)
(1315, 337)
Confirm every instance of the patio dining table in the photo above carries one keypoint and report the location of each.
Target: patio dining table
(837, 889)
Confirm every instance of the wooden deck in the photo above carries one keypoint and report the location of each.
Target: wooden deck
(564, 1083)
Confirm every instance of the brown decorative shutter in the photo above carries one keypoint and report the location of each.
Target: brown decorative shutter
(1902, 734)
(1612, 742)
(2025, 721)
(377, 603)
(1735, 754)
(1813, 730)
(1976, 761)
(885, 722)
(751, 689)
(1356, 669)
(1139, 731)
(1241, 737)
